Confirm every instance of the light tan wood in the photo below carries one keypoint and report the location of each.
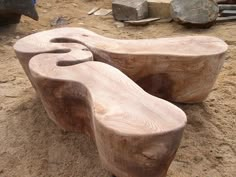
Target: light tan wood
(179, 69)
(137, 134)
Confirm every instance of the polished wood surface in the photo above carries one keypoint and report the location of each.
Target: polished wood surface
(178, 69)
(136, 134)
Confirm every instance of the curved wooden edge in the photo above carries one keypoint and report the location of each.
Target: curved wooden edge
(179, 69)
(76, 53)
(189, 46)
(136, 134)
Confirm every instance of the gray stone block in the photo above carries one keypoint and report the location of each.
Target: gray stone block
(124, 10)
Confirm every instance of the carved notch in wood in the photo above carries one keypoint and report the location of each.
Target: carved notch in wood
(179, 69)
(136, 134)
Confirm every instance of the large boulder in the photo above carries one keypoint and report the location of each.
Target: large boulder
(194, 12)
(124, 10)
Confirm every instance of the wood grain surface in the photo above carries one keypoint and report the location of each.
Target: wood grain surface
(136, 134)
(178, 69)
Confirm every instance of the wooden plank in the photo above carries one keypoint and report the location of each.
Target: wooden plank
(226, 19)
(142, 22)
(226, 13)
(102, 12)
(92, 11)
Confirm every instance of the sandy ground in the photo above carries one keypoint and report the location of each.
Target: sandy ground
(33, 146)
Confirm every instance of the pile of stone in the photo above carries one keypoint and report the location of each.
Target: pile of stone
(194, 13)
(140, 11)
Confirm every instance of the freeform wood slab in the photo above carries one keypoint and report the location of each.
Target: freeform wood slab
(137, 134)
(179, 69)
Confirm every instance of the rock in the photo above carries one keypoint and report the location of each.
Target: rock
(202, 13)
(159, 8)
(119, 24)
(59, 21)
(124, 10)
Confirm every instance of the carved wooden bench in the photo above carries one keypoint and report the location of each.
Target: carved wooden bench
(179, 69)
(137, 134)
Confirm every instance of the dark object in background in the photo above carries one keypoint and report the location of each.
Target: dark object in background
(9, 18)
(11, 11)
(226, 1)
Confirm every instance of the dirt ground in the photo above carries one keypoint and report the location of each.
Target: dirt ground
(33, 146)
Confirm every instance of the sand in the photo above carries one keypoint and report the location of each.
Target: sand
(33, 146)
